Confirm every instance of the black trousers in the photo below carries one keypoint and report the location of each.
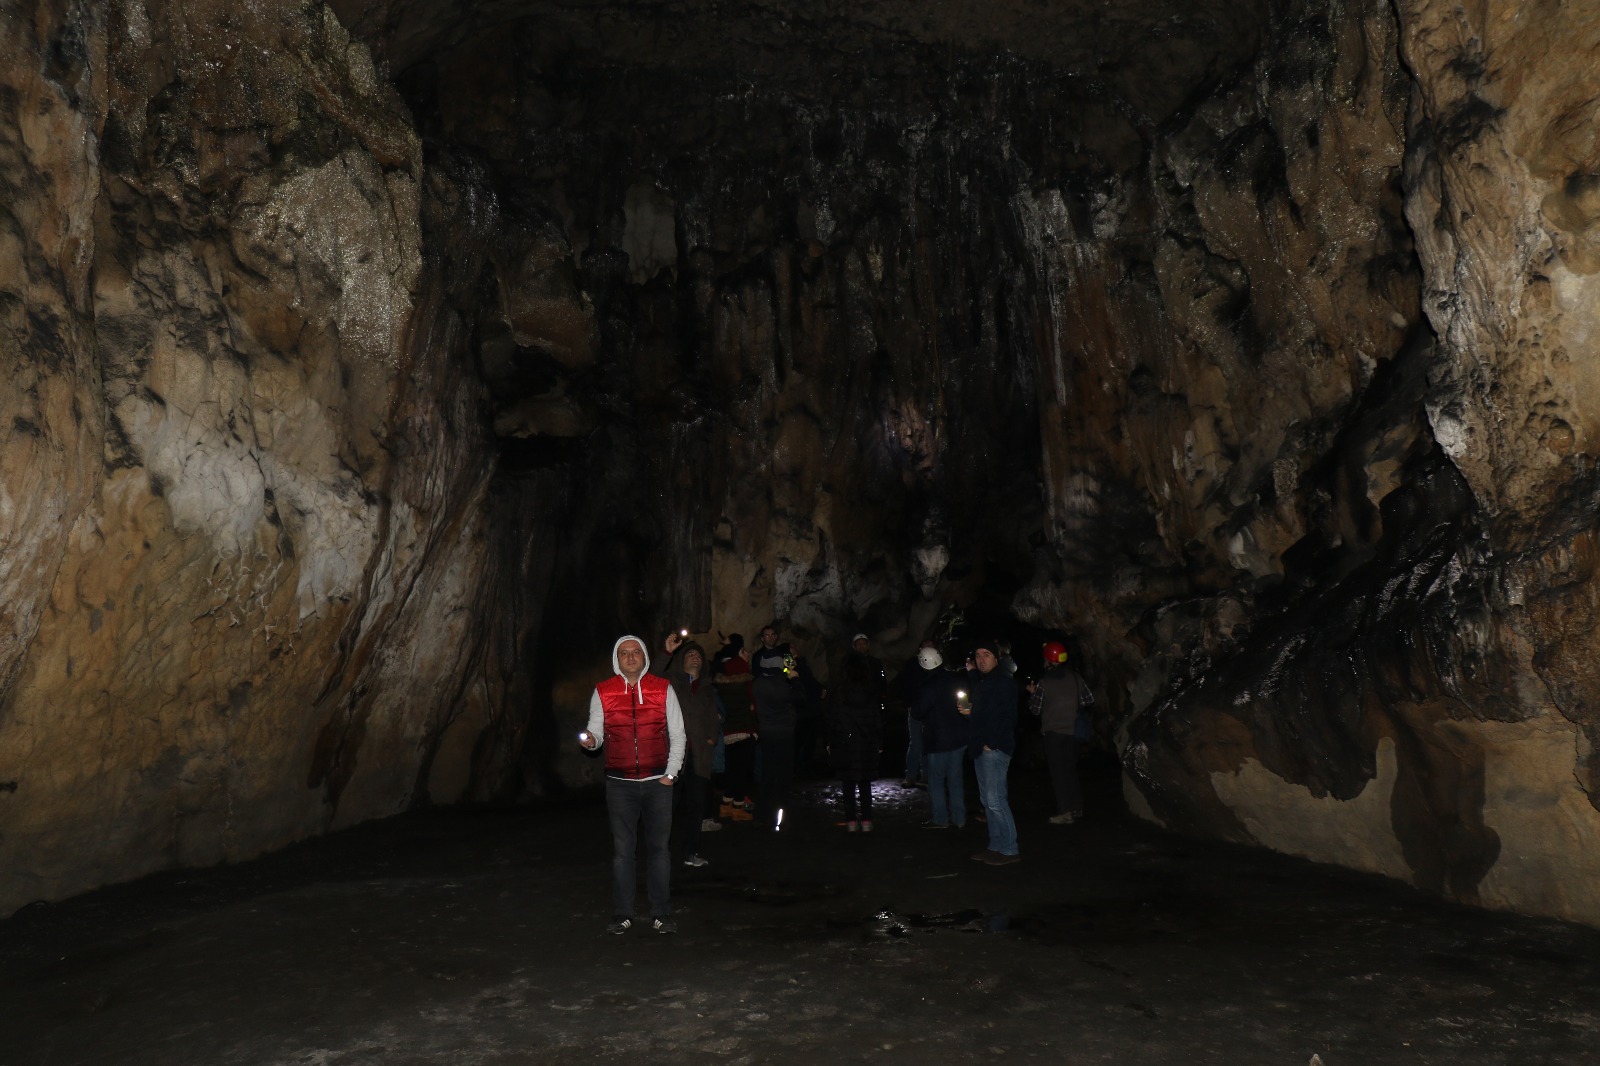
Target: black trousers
(777, 779)
(738, 780)
(1061, 755)
(851, 789)
(690, 792)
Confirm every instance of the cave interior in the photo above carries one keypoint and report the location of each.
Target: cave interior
(376, 364)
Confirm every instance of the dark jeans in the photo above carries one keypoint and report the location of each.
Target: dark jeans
(915, 768)
(777, 779)
(947, 778)
(640, 810)
(1061, 755)
(850, 790)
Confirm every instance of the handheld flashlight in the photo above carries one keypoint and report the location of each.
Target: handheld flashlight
(584, 737)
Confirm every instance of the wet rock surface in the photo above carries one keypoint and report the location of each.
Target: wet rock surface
(458, 938)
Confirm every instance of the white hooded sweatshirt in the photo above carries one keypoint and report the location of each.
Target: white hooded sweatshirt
(676, 736)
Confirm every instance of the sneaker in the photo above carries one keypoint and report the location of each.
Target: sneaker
(695, 860)
(1066, 818)
(866, 827)
(985, 855)
(709, 825)
(663, 925)
(997, 859)
(619, 926)
(852, 827)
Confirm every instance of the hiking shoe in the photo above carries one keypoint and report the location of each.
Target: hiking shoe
(709, 825)
(997, 859)
(695, 860)
(663, 925)
(619, 926)
(866, 827)
(1066, 818)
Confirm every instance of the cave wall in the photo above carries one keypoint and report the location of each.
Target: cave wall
(1405, 687)
(247, 558)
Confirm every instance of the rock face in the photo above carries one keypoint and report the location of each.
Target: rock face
(375, 364)
(246, 494)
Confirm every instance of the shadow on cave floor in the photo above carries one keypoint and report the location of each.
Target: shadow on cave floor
(476, 938)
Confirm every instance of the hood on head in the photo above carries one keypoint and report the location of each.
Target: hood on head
(683, 656)
(615, 666)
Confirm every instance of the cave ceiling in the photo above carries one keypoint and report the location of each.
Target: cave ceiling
(1155, 56)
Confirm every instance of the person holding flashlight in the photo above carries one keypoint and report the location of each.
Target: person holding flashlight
(945, 732)
(991, 707)
(636, 716)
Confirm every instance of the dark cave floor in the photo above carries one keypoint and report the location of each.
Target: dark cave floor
(466, 938)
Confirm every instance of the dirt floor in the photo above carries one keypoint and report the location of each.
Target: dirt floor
(478, 939)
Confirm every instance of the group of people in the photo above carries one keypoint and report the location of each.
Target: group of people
(734, 717)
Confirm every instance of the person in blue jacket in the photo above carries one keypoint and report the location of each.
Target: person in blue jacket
(992, 711)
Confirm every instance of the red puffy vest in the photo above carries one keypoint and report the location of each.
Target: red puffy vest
(636, 726)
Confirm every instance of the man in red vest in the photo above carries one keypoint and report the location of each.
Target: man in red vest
(638, 713)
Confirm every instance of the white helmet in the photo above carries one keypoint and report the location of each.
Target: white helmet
(930, 659)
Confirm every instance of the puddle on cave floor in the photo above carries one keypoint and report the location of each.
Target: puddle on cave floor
(476, 938)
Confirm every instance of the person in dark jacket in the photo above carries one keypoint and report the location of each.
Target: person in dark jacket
(992, 711)
(691, 683)
(1056, 699)
(912, 677)
(945, 731)
(780, 700)
(740, 731)
(855, 735)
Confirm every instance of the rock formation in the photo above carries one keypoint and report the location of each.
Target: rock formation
(375, 363)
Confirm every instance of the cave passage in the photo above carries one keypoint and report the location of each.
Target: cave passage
(370, 366)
